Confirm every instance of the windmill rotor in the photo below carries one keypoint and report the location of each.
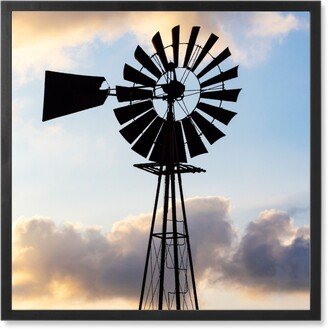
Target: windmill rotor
(164, 78)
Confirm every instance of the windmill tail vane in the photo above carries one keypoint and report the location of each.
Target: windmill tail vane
(175, 103)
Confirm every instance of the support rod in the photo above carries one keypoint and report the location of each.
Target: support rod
(163, 243)
(175, 244)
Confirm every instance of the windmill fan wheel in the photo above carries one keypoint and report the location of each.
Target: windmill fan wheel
(163, 83)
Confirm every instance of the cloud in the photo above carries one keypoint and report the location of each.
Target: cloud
(92, 264)
(272, 255)
(273, 24)
(64, 40)
(70, 262)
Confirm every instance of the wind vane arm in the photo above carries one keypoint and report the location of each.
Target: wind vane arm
(66, 93)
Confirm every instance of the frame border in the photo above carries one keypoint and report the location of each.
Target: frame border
(7, 7)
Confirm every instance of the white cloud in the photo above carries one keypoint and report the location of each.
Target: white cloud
(64, 40)
(66, 263)
(272, 24)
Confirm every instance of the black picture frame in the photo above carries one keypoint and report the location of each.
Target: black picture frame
(7, 7)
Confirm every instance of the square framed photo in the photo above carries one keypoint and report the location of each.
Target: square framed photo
(160, 160)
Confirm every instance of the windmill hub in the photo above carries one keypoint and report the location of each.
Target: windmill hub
(174, 89)
(181, 92)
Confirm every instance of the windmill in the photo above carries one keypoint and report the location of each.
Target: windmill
(175, 102)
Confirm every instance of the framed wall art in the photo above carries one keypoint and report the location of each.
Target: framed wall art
(160, 160)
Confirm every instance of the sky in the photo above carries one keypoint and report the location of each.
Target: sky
(81, 211)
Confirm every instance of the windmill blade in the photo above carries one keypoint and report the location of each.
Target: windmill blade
(216, 61)
(125, 94)
(191, 44)
(129, 112)
(218, 113)
(66, 93)
(158, 153)
(133, 75)
(180, 154)
(135, 128)
(229, 95)
(158, 45)
(223, 76)
(211, 133)
(194, 142)
(175, 44)
(146, 140)
(207, 47)
(142, 57)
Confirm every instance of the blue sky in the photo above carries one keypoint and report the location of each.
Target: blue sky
(264, 157)
(78, 168)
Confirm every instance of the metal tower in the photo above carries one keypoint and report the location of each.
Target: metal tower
(169, 279)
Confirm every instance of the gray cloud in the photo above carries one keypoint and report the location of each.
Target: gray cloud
(90, 264)
(272, 255)
(109, 265)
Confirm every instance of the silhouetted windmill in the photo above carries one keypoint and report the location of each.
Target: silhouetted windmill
(175, 100)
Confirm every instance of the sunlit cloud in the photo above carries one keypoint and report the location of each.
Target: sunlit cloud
(272, 24)
(64, 40)
(74, 265)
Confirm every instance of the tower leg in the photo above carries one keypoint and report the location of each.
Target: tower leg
(150, 239)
